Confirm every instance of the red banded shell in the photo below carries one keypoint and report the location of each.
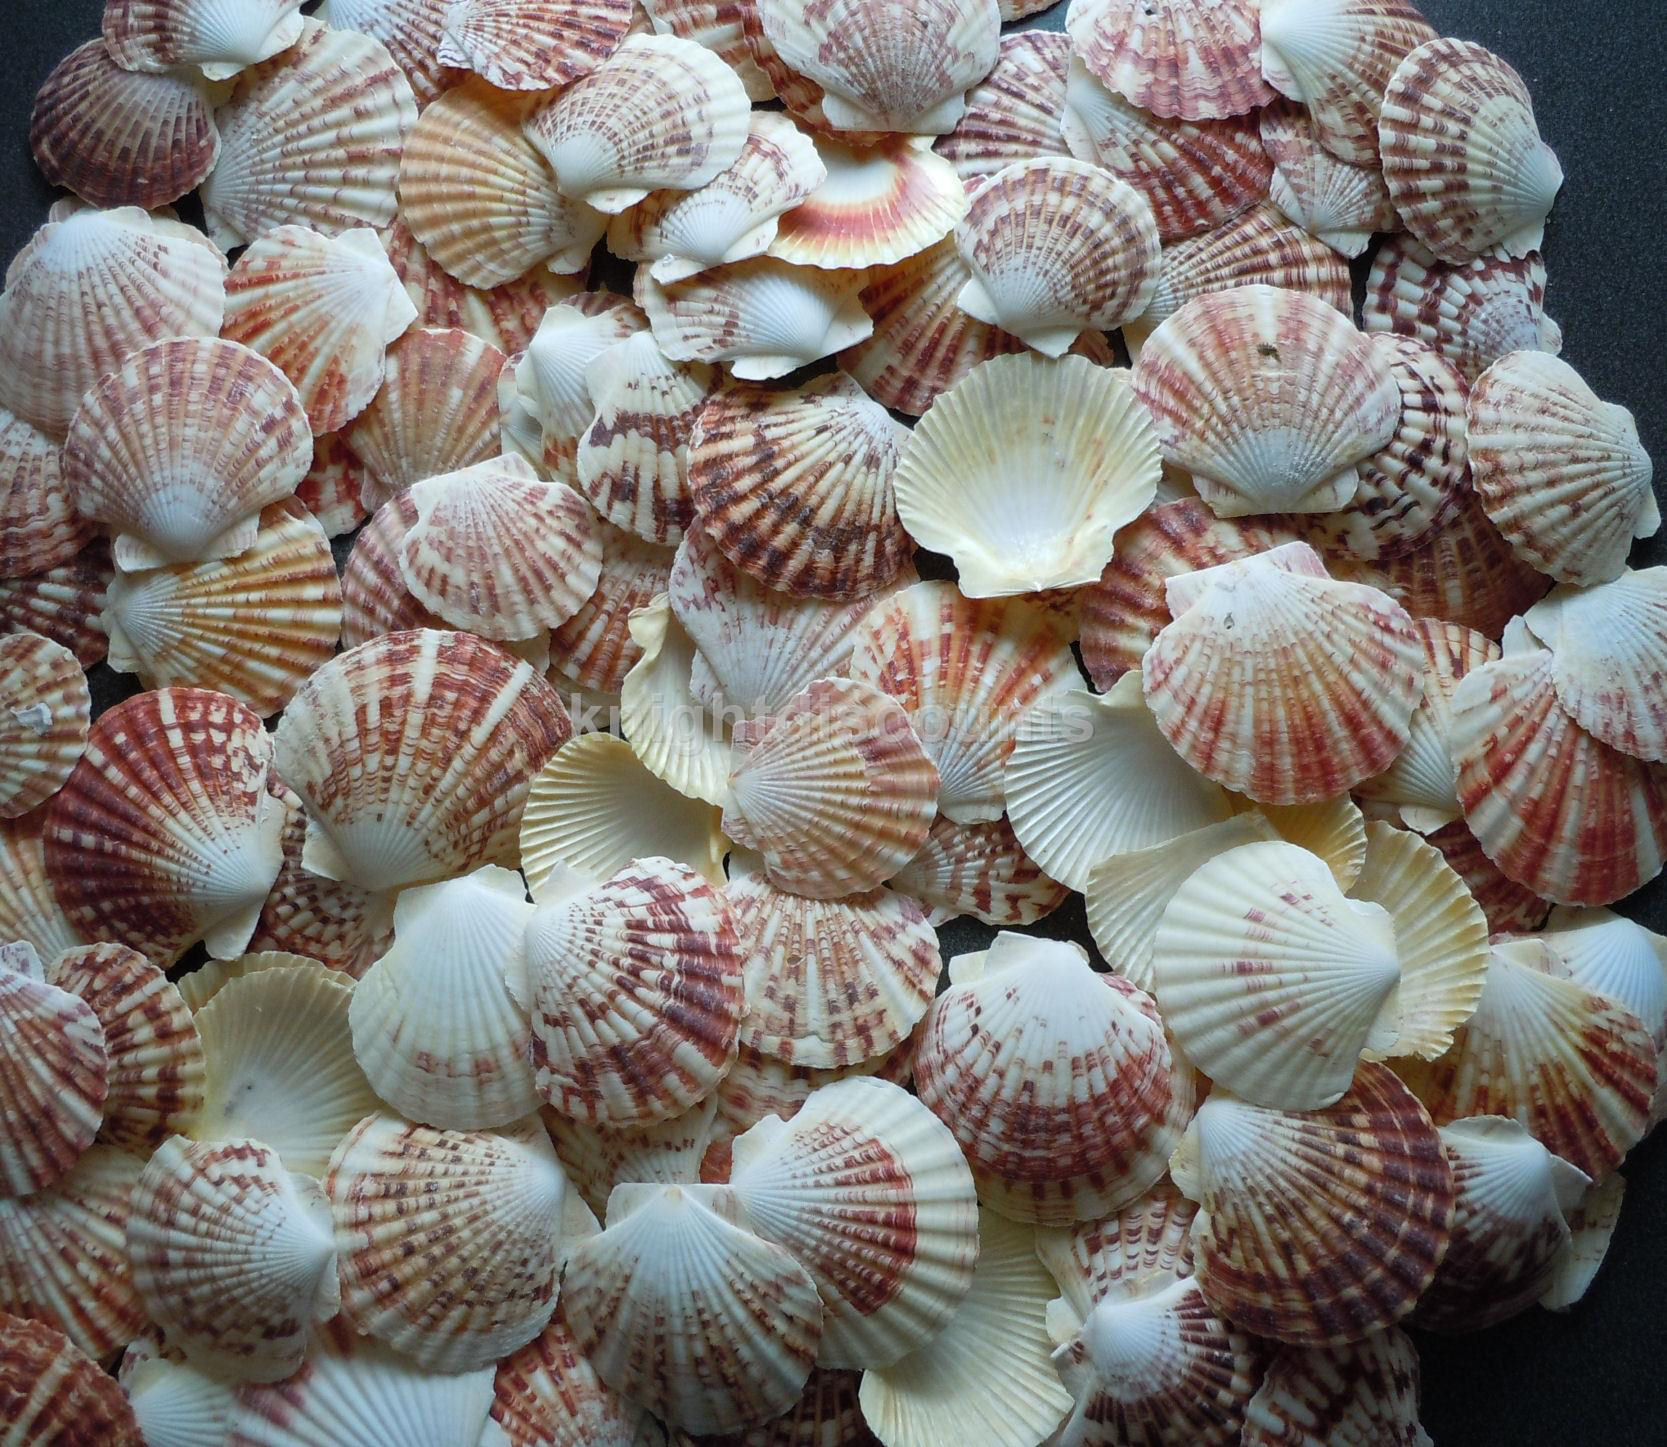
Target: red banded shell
(1013, 113)
(39, 525)
(593, 649)
(979, 870)
(410, 29)
(532, 44)
(29, 911)
(51, 1391)
(1364, 1394)
(1507, 904)
(157, 36)
(1195, 59)
(547, 1394)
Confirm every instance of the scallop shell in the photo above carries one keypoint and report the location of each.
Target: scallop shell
(1473, 313)
(1282, 683)
(680, 1309)
(760, 1085)
(550, 383)
(45, 712)
(1338, 202)
(1195, 175)
(978, 870)
(29, 911)
(598, 1158)
(720, 27)
(232, 1255)
(1269, 398)
(155, 1060)
(913, 79)
(1148, 1240)
(118, 138)
(532, 44)
(436, 1025)
(794, 486)
(763, 316)
(1013, 113)
(548, 1395)
(1334, 829)
(330, 490)
(165, 833)
(972, 476)
(674, 732)
(1319, 1227)
(157, 36)
(1193, 59)
(88, 290)
(279, 1055)
(1555, 809)
(39, 526)
(593, 649)
(635, 986)
(830, 982)
(1023, 1051)
(447, 1239)
(324, 309)
(1462, 153)
(197, 987)
(1338, 57)
(1559, 472)
(447, 732)
(54, 1392)
(375, 599)
(1361, 1395)
(827, 1412)
(63, 1256)
(1578, 1069)
(1592, 1228)
(1507, 904)
(410, 29)
(836, 791)
(175, 1403)
(986, 1377)
(594, 138)
(63, 603)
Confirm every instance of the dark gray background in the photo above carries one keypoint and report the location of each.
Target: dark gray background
(1596, 73)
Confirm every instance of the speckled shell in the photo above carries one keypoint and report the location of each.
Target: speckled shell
(375, 598)
(719, 26)
(447, 1239)
(29, 911)
(165, 833)
(835, 792)
(1507, 904)
(1320, 1227)
(39, 526)
(448, 731)
(548, 1395)
(1013, 113)
(1361, 1395)
(1462, 154)
(157, 36)
(636, 992)
(51, 1391)
(1193, 59)
(232, 1255)
(45, 712)
(91, 288)
(760, 1085)
(1340, 203)
(1149, 1238)
(118, 138)
(978, 870)
(593, 649)
(598, 1158)
(1058, 1082)
(286, 124)
(330, 490)
(63, 603)
(532, 44)
(410, 29)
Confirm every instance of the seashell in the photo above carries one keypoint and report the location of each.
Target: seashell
(913, 80)
(521, 45)
(157, 36)
(1281, 1192)
(175, 1403)
(1340, 1396)
(45, 712)
(1148, 1240)
(1287, 686)
(834, 1186)
(1334, 829)
(598, 1158)
(154, 1059)
(986, 1376)
(29, 910)
(1057, 246)
(1309, 400)
(411, 31)
(63, 1258)
(197, 987)
(684, 1311)
(54, 1073)
(90, 289)
(39, 526)
(1507, 904)
(330, 490)
(436, 1027)
(1592, 1227)
(593, 136)
(1192, 59)
(673, 732)
(1509, 1229)
(232, 1255)
(164, 833)
(794, 486)
(1340, 203)
(324, 310)
(1462, 153)
(547, 1394)
(1013, 113)
(874, 206)
(759, 1085)
(63, 603)
(764, 317)
(965, 672)
(1022, 1052)
(719, 26)
(1337, 57)
(375, 599)
(830, 982)
(827, 1411)
(1473, 313)
(979, 870)
(1577, 1069)
(1195, 175)
(349, 1381)
(1555, 809)
(280, 1066)
(835, 791)
(447, 1239)
(179, 450)
(118, 138)
(54, 1392)
(457, 731)
(1559, 472)
(593, 649)
(958, 488)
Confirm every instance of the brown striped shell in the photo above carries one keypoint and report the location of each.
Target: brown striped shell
(547, 1394)
(1013, 113)
(532, 44)
(410, 29)
(39, 525)
(981, 871)
(1364, 1394)
(156, 36)
(330, 490)
(1340, 203)
(29, 910)
(593, 649)
(1193, 59)
(51, 1391)
(45, 712)
(1507, 904)
(719, 26)
(599, 1157)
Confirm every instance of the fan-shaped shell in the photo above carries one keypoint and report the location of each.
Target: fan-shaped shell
(54, 1392)
(593, 650)
(62, 603)
(1147, 1239)
(1462, 153)
(45, 712)
(29, 911)
(39, 526)
(1592, 1229)
(599, 1157)
(532, 44)
(675, 732)
(1317, 1227)
(1364, 1394)
(719, 26)
(1013, 113)
(979, 870)
(548, 1395)
(175, 1403)
(1334, 829)
(330, 490)
(760, 1085)
(375, 598)
(157, 36)
(1340, 203)
(1193, 59)
(448, 731)
(411, 31)
(1507, 904)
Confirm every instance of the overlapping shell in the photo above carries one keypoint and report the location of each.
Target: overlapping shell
(531, 44)
(411, 31)
(1012, 114)
(39, 525)
(54, 1392)
(979, 870)
(1341, 204)
(1364, 1392)
(45, 713)
(1195, 59)
(157, 36)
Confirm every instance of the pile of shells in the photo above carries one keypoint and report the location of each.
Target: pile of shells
(482, 985)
